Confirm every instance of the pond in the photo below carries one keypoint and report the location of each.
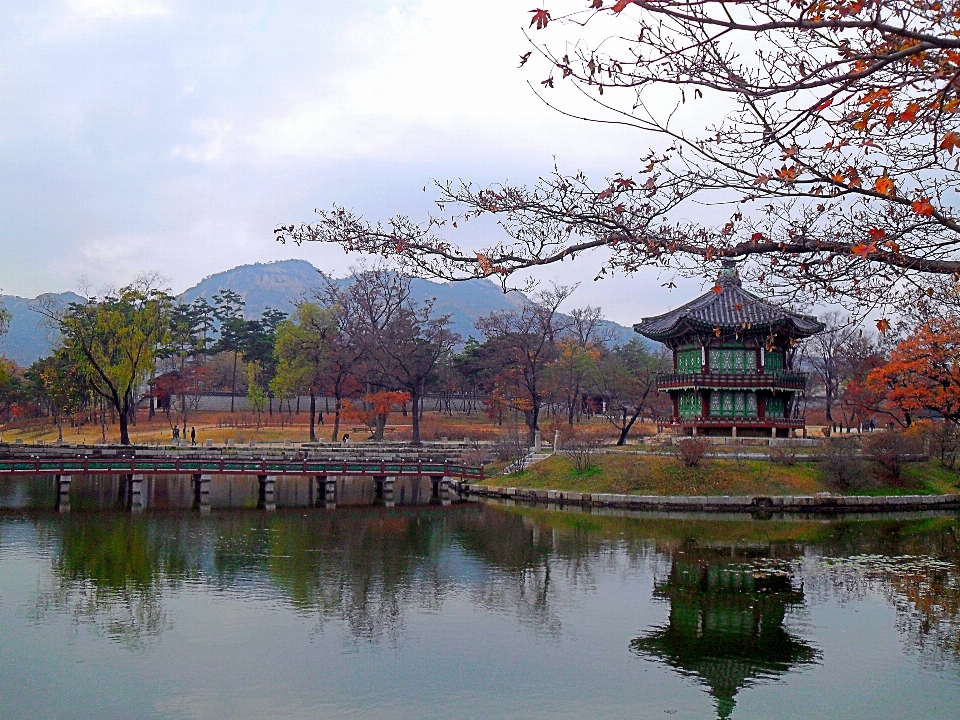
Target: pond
(476, 611)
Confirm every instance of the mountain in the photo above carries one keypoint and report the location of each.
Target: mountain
(30, 338)
(280, 285)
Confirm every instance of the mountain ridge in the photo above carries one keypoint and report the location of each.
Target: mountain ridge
(279, 285)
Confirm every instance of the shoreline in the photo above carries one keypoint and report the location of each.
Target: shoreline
(756, 504)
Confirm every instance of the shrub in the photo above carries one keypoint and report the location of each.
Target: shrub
(511, 447)
(582, 452)
(944, 439)
(690, 451)
(784, 455)
(891, 448)
(842, 465)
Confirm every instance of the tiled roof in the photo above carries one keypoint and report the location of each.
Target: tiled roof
(730, 308)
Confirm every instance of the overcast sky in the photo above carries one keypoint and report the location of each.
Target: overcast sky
(169, 136)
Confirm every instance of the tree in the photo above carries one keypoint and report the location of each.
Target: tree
(627, 380)
(828, 357)
(114, 341)
(399, 339)
(303, 350)
(923, 374)
(526, 343)
(228, 310)
(62, 384)
(833, 143)
(579, 350)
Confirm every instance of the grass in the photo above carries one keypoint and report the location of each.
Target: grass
(657, 475)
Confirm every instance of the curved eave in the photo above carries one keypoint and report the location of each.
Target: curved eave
(687, 326)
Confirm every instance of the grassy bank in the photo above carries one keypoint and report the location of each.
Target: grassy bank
(657, 475)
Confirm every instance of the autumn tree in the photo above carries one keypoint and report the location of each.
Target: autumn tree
(526, 343)
(626, 379)
(399, 339)
(61, 383)
(578, 351)
(923, 374)
(114, 341)
(303, 347)
(828, 127)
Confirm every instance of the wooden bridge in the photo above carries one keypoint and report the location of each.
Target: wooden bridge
(202, 470)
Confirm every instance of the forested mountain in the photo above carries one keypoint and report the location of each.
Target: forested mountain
(276, 285)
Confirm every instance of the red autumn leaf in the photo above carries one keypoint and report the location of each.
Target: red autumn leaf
(620, 6)
(922, 207)
(597, 5)
(950, 141)
(738, 307)
(548, 82)
(624, 183)
(718, 289)
(605, 194)
(884, 185)
(788, 174)
(883, 325)
(824, 105)
(910, 114)
(540, 18)
(716, 331)
(757, 237)
(524, 58)
(877, 234)
(863, 250)
(762, 179)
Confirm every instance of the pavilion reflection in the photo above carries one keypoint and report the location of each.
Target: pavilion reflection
(726, 623)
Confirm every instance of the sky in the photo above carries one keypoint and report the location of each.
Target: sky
(173, 137)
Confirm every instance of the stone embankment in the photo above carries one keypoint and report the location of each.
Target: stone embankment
(820, 503)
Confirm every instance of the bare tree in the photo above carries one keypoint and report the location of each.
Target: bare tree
(527, 338)
(835, 125)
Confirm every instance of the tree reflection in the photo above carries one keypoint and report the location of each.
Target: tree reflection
(112, 571)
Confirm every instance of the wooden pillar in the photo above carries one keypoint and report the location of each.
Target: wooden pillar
(63, 493)
(136, 497)
(268, 499)
(201, 492)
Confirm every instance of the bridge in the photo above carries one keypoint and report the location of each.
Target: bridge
(134, 465)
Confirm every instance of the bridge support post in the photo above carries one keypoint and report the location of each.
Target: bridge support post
(445, 491)
(268, 498)
(201, 492)
(327, 488)
(63, 493)
(135, 495)
(388, 482)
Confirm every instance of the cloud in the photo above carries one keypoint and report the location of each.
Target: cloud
(92, 10)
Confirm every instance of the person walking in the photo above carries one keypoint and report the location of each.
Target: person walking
(193, 436)
(320, 417)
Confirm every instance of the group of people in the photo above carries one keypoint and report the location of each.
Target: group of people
(193, 435)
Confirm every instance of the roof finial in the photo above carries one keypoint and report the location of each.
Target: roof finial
(728, 273)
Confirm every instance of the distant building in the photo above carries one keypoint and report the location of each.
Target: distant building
(732, 361)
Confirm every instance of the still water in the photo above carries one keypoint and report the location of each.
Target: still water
(476, 611)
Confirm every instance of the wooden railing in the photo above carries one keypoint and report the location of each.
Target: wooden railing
(751, 380)
(225, 466)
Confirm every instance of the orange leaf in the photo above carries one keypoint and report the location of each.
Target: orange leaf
(540, 18)
(716, 331)
(863, 250)
(621, 5)
(950, 141)
(883, 325)
(762, 179)
(884, 185)
(788, 174)
(877, 234)
(922, 207)
(718, 289)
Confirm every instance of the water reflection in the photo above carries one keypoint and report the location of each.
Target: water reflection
(732, 590)
(727, 609)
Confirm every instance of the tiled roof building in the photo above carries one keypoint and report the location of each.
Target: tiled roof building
(732, 355)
